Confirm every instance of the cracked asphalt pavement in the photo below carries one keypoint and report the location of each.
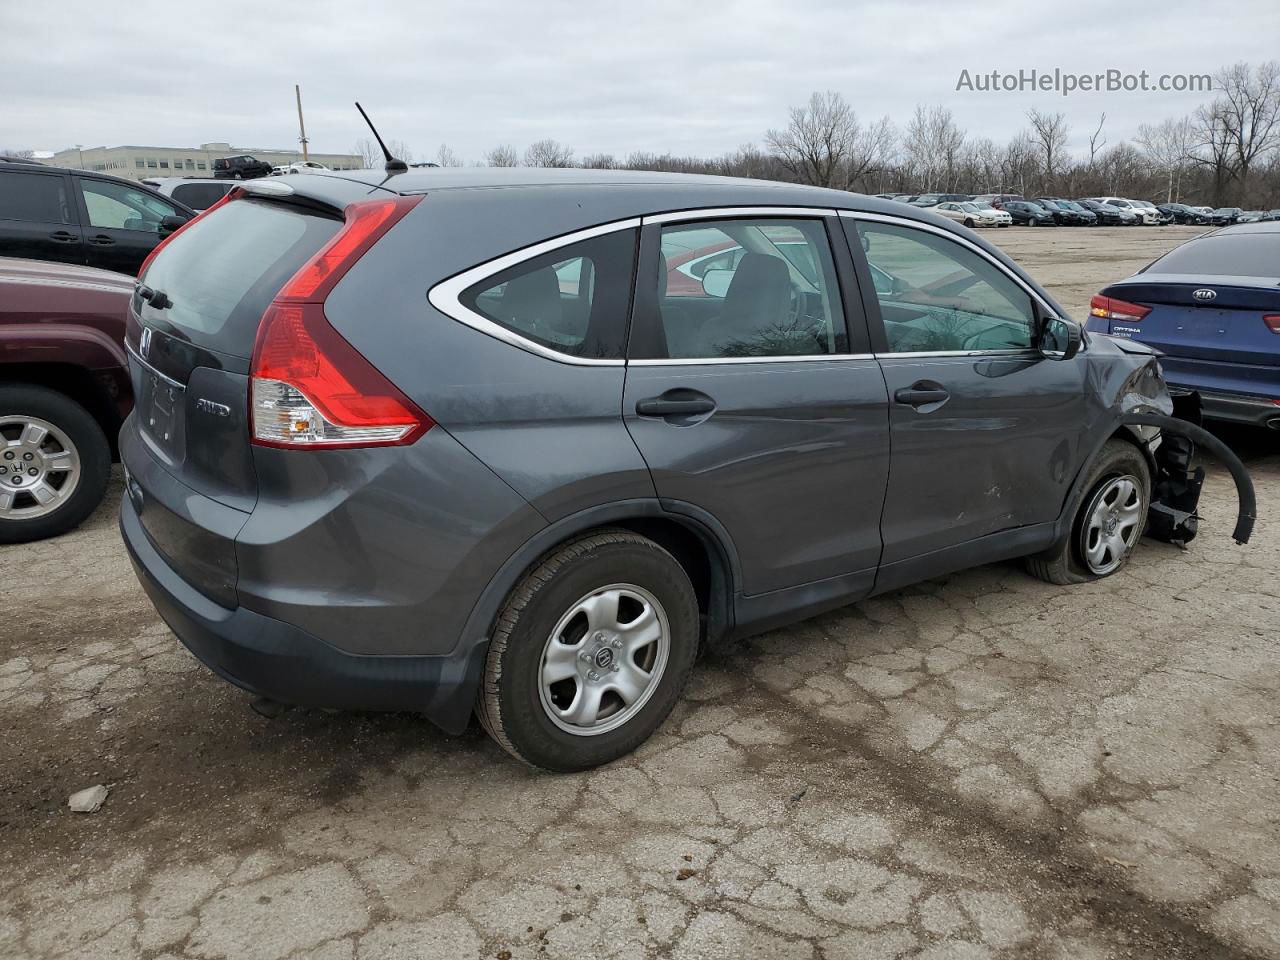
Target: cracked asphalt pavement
(981, 766)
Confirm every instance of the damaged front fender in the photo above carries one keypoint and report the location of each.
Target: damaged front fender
(1130, 375)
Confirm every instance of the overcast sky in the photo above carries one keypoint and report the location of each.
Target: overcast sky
(654, 75)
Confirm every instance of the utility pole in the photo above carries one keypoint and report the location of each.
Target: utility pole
(302, 130)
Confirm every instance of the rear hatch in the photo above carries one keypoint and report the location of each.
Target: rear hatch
(192, 325)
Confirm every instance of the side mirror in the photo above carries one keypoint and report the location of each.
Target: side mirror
(715, 283)
(171, 223)
(1060, 339)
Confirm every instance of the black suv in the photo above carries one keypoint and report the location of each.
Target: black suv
(74, 216)
(240, 168)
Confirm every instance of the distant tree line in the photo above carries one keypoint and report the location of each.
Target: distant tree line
(1225, 153)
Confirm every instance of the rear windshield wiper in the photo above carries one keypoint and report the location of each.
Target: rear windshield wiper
(157, 298)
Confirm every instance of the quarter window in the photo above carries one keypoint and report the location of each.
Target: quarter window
(573, 300)
(745, 288)
(936, 295)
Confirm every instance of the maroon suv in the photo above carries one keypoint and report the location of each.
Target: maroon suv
(64, 391)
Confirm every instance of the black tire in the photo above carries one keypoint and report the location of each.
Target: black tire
(968, 222)
(1033, 222)
(1065, 562)
(91, 446)
(509, 702)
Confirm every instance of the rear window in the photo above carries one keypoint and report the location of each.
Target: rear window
(1227, 255)
(222, 273)
(199, 196)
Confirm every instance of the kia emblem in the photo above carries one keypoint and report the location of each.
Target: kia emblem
(144, 345)
(1204, 294)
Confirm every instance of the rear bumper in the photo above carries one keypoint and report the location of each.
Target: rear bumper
(282, 662)
(1238, 408)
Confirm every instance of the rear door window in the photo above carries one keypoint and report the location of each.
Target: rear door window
(222, 273)
(744, 288)
(573, 300)
(34, 197)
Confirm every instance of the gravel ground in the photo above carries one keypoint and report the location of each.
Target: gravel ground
(980, 766)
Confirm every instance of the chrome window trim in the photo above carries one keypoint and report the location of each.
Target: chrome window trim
(737, 213)
(907, 223)
(709, 361)
(148, 367)
(922, 354)
(446, 295)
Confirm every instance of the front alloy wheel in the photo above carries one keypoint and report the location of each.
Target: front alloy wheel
(1113, 521)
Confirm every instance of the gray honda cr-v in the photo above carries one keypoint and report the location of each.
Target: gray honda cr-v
(520, 441)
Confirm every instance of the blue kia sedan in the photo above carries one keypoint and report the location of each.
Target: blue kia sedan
(1212, 307)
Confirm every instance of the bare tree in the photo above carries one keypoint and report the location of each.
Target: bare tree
(548, 153)
(1049, 133)
(825, 145)
(933, 146)
(1250, 111)
(1212, 150)
(446, 157)
(23, 154)
(371, 154)
(1168, 146)
(599, 161)
(503, 155)
(1097, 141)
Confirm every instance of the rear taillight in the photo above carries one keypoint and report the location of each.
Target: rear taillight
(310, 387)
(1109, 308)
(1272, 321)
(227, 198)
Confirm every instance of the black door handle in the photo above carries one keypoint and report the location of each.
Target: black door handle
(63, 237)
(101, 240)
(919, 395)
(676, 403)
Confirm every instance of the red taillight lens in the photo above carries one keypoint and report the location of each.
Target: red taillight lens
(1272, 321)
(309, 386)
(1109, 308)
(230, 195)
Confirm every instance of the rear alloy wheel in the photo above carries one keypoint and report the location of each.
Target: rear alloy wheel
(590, 652)
(1108, 520)
(54, 463)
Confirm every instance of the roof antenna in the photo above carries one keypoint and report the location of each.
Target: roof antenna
(392, 165)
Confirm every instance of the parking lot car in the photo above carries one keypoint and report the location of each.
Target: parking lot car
(198, 193)
(1225, 216)
(971, 215)
(1181, 213)
(1066, 214)
(1140, 212)
(408, 444)
(1212, 307)
(74, 216)
(301, 166)
(64, 391)
(1028, 213)
(243, 167)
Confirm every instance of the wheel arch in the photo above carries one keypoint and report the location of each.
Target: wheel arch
(698, 542)
(102, 393)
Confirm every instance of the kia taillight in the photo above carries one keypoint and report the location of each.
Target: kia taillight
(1272, 320)
(309, 387)
(1109, 308)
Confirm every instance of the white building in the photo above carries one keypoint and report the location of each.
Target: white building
(137, 162)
